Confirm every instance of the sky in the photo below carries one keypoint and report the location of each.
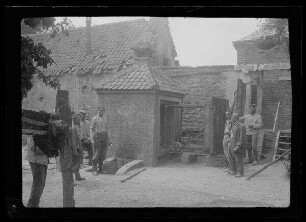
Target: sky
(198, 41)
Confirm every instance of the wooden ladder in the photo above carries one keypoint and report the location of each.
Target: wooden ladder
(282, 143)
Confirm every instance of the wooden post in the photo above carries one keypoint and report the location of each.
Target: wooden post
(247, 98)
(259, 93)
(276, 115)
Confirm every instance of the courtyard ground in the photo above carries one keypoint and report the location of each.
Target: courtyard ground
(170, 185)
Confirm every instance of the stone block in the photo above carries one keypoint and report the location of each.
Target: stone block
(187, 158)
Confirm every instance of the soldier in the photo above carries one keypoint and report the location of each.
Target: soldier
(100, 139)
(253, 123)
(227, 134)
(237, 147)
(77, 149)
(85, 136)
(39, 163)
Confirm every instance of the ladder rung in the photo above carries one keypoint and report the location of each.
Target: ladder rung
(285, 136)
(284, 143)
(282, 149)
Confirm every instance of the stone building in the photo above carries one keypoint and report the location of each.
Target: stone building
(93, 53)
(264, 78)
(141, 125)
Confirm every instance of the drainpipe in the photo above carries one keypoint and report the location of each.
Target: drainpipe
(88, 34)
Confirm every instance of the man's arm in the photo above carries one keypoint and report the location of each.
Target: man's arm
(258, 122)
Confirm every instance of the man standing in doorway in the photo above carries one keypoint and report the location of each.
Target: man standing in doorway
(85, 136)
(100, 139)
(252, 122)
(227, 135)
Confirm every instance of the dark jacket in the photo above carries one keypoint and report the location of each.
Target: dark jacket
(238, 138)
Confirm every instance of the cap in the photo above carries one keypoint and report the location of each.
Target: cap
(252, 105)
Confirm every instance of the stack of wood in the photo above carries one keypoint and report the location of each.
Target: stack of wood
(35, 123)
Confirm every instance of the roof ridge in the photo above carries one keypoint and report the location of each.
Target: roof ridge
(84, 27)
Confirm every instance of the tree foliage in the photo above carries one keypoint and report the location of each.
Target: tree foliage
(35, 58)
(280, 27)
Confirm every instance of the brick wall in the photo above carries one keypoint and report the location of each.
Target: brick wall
(249, 54)
(275, 90)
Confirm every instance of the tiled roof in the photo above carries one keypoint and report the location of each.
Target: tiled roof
(110, 46)
(141, 76)
(258, 34)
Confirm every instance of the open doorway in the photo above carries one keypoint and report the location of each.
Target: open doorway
(170, 125)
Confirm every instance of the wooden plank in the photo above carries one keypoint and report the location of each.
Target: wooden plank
(276, 115)
(38, 123)
(34, 132)
(131, 176)
(186, 106)
(276, 145)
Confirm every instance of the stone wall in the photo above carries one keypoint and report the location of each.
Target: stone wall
(131, 120)
(200, 84)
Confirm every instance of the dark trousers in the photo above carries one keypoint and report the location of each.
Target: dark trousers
(76, 162)
(251, 147)
(89, 149)
(236, 162)
(39, 173)
(100, 150)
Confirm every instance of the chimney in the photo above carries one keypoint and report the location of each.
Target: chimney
(88, 35)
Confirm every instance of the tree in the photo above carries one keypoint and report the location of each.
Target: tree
(280, 27)
(35, 58)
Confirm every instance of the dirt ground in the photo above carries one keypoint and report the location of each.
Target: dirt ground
(170, 185)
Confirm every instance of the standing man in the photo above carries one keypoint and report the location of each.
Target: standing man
(39, 163)
(77, 149)
(85, 136)
(227, 135)
(237, 147)
(253, 123)
(100, 139)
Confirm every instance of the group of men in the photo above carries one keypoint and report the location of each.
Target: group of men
(240, 137)
(92, 137)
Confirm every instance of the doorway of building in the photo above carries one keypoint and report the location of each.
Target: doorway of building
(170, 125)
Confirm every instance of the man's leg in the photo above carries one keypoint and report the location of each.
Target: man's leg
(239, 163)
(39, 172)
(225, 148)
(254, 147)
(96, 157)
(249, 148)
(233, 169)
(89, 149)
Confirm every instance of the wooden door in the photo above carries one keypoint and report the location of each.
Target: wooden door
(218, 107)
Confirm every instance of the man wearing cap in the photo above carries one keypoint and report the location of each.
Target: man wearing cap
(227, 134)
(100, 139)
(237, 147)
(252, 122)
(85, 136)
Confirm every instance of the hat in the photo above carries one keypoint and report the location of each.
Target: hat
(252, 105)
(82, 111)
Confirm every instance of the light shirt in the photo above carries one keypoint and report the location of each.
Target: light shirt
(85, 129)
(34, 154)
(99, 124)
(252, 120)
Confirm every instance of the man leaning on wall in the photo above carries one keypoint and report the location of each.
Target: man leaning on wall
(252, 122)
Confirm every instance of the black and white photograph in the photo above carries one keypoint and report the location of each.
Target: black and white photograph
(155, 112)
